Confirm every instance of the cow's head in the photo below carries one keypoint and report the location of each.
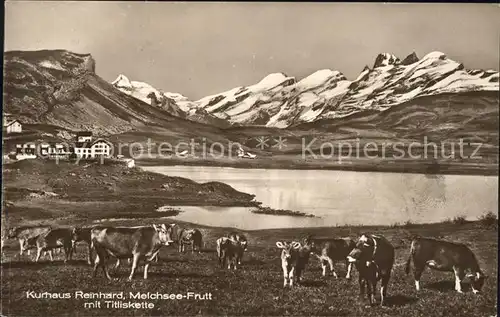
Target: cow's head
(244, 244)
(164, 234)
(287, 249)
(477, 281)
(310, 245)
(363, 251)
(76, 234)
(12, 233)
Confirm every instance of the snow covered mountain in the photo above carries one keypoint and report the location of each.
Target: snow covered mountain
(174, 103)
(327, 94)
(281, 101)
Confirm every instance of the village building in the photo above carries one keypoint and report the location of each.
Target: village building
(54, 150)
(11, 124)
(25, 151)
(93, 149)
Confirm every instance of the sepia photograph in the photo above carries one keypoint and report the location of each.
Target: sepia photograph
(250, 159)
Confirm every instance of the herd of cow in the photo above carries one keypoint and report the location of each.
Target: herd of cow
(372, 255)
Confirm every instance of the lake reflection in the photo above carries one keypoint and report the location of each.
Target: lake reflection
(341, 197)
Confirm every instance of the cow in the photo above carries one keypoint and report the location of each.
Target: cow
(183, 237)
(444, 256)
(373, 257)
(329, 251)
(294, 258)
(27, 236)
(243, 244)
(56, 238)
(141, 243)
(84, 234)
(229, 251)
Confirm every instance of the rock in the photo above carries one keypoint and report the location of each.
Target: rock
(104, 175)
(72, 174)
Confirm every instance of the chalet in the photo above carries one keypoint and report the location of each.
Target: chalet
(25, 151)
(14, 126)
(93, 149)
(54, 150)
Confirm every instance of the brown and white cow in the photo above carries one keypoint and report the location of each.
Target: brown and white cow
(56, 238)
(84, 234)
(27, 236)
(141, 243)
(183, 236)
(445, 256)
(242, 240)
(374, 259)
(331, 250)
(294, 258)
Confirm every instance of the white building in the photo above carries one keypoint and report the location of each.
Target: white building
(25, 151)
(53, 150)
(14, 126)
(95, 149)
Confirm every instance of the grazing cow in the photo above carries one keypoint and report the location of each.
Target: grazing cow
(84, 234)
(374, 259)
(445, 256)
(27, 236)
(141, 243)
(55, 239)
(329, 251)
(294, 258)
(243, 244)
(183, 237)
(229, 251)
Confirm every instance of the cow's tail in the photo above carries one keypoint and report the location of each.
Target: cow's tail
(410, 256)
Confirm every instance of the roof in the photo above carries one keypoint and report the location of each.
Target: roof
(89, 144)
(84, 133)
(12, 122)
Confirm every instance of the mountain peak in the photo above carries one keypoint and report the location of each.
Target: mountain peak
(385, 59)
(410, 59)
(435, 55)
(122, 81)
(320, 77)
(273, 80)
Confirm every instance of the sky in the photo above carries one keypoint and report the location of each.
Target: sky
(199, 49)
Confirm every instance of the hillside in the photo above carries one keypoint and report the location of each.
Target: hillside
(56, 93)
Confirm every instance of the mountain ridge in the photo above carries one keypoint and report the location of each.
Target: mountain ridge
(282, 101)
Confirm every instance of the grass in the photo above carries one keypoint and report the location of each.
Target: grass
(256, 289)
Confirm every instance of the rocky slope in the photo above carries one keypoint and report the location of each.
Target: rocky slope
(57, 92)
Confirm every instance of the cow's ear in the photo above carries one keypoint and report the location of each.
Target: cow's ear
(296, 245)
(280, 244)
